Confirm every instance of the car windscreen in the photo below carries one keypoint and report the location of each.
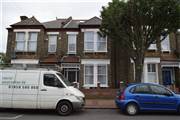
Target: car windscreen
(66, 81)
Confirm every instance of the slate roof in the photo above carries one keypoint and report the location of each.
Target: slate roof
(73, 24)
(54, 24)
(28, 21)
(59, 23)
(93, 21)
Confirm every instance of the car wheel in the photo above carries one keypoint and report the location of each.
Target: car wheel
(64, 108)
(178, 110)
(131, 109)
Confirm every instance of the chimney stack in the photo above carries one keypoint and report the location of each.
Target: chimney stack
(23, 18)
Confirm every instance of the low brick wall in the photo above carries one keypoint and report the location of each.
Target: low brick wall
(99, 93)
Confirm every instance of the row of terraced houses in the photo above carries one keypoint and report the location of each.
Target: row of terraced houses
(85, 57)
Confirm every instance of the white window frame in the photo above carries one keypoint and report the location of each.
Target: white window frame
(24, 41)
(101, 42)
(49, 50)
(151, 72)
(95, 70)
(167, 48)
(106, 74)
(26, 44)
(88, 41)
(89, 85)
(95, 41)
(32, 41)
(75, 43)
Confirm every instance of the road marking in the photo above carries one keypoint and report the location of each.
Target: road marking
(10, 118)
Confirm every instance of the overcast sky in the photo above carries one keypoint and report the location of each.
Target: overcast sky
(45, 10)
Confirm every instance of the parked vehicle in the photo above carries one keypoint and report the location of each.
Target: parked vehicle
(38, 89)
(147, 97)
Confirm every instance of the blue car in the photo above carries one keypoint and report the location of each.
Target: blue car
(147, 97)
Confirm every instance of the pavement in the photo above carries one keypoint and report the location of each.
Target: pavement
(100, 104)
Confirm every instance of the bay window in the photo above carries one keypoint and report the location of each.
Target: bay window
(26, 41)
(94, 74)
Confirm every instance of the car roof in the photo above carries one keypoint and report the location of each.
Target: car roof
(135, 84)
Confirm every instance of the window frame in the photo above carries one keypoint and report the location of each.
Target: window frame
(26, 41)
(85, 84)
(95, 75)
(57, 80)
(99, 41)
(150, 91)
(74, 43)
(94, 42)
(29, 40)
(170, 92)
(106, 74)
(86, 41)
(17, 40)
(167, 48)
(49, 49)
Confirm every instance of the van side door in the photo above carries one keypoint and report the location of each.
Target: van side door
(26, 89)
(50, 92)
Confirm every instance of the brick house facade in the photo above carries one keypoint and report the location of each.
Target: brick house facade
(86, 57)
(76, 46)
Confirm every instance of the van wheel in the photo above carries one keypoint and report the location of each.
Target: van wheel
(64, 108)
(132, 109)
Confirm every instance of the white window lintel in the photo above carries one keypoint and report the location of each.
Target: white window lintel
(95, 61)
(27, 30)
(88, 30)
(72, 33)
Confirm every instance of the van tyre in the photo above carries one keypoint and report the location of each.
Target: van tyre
(132, 109)
(64, 108)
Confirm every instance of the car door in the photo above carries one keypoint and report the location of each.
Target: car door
(143, 95)
(164, 99)
(51, 90)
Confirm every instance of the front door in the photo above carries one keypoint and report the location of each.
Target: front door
(167, 76)
(72, 74)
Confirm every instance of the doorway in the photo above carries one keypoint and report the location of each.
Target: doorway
(72, 74)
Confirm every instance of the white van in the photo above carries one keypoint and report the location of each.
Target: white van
(38, 89)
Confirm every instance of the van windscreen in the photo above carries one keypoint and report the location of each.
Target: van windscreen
(66, 81)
